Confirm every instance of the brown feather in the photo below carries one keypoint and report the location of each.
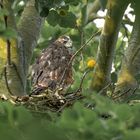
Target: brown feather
(49, 68)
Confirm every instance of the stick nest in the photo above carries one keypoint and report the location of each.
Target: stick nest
(45, 102)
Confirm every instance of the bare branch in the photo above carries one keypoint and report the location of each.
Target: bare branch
(76, 53)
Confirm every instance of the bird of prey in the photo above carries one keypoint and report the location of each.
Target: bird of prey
(49, 67)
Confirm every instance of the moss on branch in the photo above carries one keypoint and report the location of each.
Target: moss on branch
(108, 38)
(131, 62)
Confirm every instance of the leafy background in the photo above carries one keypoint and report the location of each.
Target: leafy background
(105, 121)
(95, 117)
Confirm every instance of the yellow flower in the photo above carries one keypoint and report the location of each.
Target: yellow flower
(91, 63)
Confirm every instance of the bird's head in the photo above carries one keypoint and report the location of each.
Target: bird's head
(65, 40)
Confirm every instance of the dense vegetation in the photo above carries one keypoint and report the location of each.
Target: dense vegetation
(110, 108)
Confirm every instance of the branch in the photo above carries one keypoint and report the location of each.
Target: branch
(29, 29)
(76, 53)
(127, 78)
(82, 80)
(8, 44)
(93, 11)
(108, 39)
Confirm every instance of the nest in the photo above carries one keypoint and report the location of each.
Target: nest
(48, 100)
(45, 102)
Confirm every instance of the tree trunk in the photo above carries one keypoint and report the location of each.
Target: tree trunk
(29, 29)
(130, 68)
(14, 74)
(108, 38)
(10, 81)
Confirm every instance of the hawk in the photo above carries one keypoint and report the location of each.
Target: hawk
(49, 67)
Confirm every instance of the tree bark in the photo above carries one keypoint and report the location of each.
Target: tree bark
(14, 76)
(108, 38)
(10, 81)
(29, 29)
(130, 68)
(93, 11)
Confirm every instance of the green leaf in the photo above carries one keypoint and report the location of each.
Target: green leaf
(3, 12)
(64, 19)
(132, 135)
(2, 26)
(9, 33)
(68, 21)
(123, 112)
(53, 18)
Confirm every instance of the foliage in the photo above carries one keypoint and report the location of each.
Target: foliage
(95, 117)
(57, 10)
(102, 120)
(5, 32)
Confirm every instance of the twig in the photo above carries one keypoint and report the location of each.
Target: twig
(8, 44)
(62, 107)
(82, 79)
(76, 53)
(6, 81)
(43, 103)
(94, 18)
(115, 97)
(104, 88)
(7, 41)
(8, 52)
(83, 46)
(132, 102)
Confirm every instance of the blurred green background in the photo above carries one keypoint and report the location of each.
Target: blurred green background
(94, 118)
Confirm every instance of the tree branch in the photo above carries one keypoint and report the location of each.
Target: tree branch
(108, 39)
(29, 29)
(93, 11)
(131, 63)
